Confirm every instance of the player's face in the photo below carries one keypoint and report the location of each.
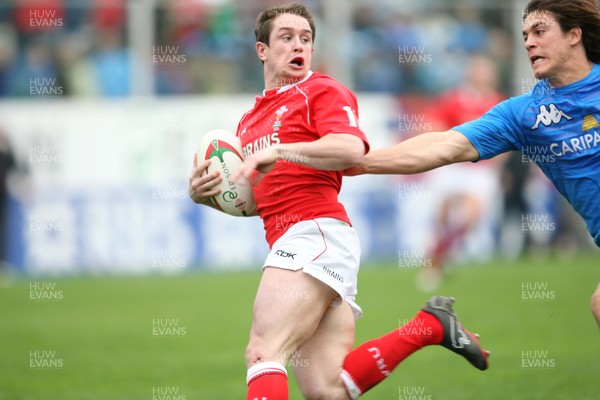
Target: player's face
(549, 49)
(288, 56)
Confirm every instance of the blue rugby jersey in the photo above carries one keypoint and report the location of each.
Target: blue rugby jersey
(559, 130)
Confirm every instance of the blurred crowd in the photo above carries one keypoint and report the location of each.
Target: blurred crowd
(61, 48)
(80, 48)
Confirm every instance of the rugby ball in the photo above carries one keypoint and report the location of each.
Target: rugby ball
(224, 150)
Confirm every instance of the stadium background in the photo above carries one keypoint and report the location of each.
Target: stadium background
(104, 102)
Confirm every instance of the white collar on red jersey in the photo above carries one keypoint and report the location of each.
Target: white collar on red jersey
(291, 85)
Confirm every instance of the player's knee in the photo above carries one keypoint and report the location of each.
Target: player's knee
(322, 389)
(324, 393)
(259, 351)
(255, 354)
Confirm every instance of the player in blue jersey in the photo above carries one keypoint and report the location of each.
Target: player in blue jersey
(557, 124)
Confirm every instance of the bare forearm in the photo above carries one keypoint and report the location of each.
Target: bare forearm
(403, 158)
(332, 152)
(419, 154)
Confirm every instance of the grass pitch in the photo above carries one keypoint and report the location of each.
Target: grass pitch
(183, 338)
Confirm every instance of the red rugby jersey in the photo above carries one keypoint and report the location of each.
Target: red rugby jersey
(301, 112)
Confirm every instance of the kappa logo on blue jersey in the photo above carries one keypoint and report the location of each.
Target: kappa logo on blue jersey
(550, 116)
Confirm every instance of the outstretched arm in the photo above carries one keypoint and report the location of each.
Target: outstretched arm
(333, 152)
(419, 154)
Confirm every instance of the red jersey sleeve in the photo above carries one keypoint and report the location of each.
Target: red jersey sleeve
(335, 110)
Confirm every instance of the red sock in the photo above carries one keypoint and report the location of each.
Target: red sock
(267, 381)
(445, 243)
(371, 362)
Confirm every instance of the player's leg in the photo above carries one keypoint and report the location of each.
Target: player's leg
(430, 278)
(287, 310)
(318, 362)
(326, 363)
(460, 214)
(436, 323)
(463, 212)
(596, 304)
(326, 354)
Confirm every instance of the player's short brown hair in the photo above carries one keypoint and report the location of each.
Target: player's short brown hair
(264, 21)
(571, 14)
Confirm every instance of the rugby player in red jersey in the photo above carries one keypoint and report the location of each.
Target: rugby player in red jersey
(300, 135)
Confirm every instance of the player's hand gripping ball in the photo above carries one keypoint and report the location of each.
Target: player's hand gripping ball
(224, 150)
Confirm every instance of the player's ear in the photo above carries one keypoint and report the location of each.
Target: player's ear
(575, 35)
(261, 51)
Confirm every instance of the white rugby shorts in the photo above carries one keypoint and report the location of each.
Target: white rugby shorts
(328, 249)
